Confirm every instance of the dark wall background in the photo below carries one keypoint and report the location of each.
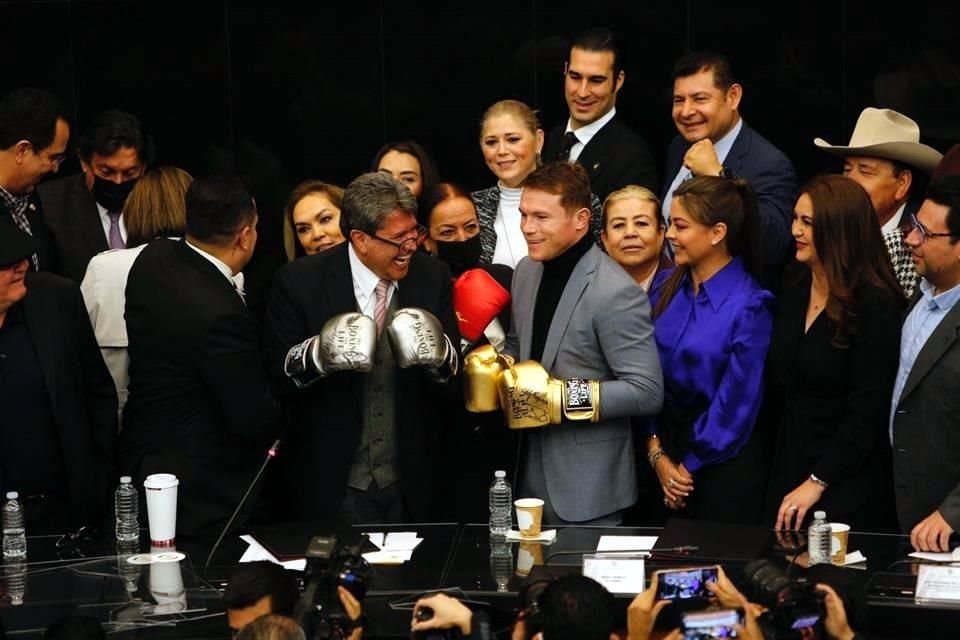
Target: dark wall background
(279, 94)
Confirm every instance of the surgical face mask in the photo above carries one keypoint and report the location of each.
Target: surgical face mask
(460, 256)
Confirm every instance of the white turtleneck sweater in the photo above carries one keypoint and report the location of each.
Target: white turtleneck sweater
(511, 246)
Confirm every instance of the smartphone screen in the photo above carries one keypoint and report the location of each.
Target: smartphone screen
(685, 583)
(701, 625)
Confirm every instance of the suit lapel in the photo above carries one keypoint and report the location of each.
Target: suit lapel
(591, 157)
(568, 302)
(936, 346)
(89, 215)
(208, 269)
(339, 283)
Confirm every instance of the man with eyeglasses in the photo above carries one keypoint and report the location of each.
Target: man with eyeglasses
(33, 142)
(58, 405)
(926, 395)
(885, 157)
(362, 340)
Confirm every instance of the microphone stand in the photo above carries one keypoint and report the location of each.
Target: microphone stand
(271, 454)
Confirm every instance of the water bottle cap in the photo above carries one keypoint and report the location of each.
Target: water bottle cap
(125, 479)
(499, 474)
(820, 515)
(12, 495)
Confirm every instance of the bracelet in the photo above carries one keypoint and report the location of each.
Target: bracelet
(655, 455)
(819, 481)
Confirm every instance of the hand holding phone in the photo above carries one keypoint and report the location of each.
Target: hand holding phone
(684, 584)
(717, 623)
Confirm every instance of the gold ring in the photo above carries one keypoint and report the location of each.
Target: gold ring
(671, 483)
(793, 507)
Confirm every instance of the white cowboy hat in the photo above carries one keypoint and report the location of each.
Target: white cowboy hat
(887, 134)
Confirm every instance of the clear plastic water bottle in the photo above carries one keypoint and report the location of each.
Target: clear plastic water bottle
(501, 504)
(126, 509)
(818, 539)
(15, 579)
(14, 533)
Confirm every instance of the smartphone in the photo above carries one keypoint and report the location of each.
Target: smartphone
(683, 584)
(718, 623)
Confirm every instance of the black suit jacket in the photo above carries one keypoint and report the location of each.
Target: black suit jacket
(73, 220)
(39, 231)
(82, 395)
(614, 158)
(200, 406)
(326, 418)
(926, 440)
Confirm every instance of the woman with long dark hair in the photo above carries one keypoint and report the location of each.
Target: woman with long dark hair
(833, 361)
(712, 322)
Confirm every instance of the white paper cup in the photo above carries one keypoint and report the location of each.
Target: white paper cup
(166, 584)
(161, 491)
(529, 515)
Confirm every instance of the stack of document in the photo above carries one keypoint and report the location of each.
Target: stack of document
(257, 551)
(395, 547)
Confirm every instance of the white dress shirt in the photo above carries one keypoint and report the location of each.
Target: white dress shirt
(893, 222)
(105, 221)
(236, 279)
(365, 283)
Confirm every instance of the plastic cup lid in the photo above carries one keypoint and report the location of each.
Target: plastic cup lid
(125, 479)
(12, 495)
(161, 481)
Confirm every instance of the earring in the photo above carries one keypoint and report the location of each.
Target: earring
(714, 243)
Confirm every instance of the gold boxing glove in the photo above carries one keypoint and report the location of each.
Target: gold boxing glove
(531, 398)
(481, 371)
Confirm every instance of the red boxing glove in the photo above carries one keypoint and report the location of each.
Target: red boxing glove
(477, 299)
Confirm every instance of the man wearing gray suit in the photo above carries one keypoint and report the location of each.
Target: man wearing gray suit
(926, 394)
(582, 328)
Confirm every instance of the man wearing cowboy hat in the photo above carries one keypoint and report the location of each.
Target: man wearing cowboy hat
(885, 157)
(58, 405)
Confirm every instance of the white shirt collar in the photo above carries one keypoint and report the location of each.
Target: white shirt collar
(364, 280)
(894, 222)
(236, 280)
(587, 131)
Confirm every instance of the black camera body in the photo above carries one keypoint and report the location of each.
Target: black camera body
(330, 564)
(794, 605)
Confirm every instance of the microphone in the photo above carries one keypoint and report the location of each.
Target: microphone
(271, 454)
(648, 552)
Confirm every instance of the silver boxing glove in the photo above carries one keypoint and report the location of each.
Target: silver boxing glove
(418, 340)
(345, 343)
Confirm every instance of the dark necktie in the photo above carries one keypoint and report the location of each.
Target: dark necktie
(569, 139)
(114, 239)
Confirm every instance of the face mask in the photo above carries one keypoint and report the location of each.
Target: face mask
(460, 256)
(111, 195)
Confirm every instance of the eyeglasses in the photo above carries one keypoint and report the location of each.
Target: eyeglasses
(924, 232)
(407, 246)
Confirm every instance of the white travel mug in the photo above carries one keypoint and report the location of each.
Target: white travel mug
(161, 491)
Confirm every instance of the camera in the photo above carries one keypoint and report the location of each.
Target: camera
(330, 564)
(795, 607)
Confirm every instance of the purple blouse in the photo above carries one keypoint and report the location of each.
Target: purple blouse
(712, 349)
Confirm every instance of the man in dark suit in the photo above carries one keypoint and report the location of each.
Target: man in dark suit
(59, 408)
(363, 434)
(33, 142)
(84, 212)
(200, 406)
(715, 141)
(926, 394)
(613, 155)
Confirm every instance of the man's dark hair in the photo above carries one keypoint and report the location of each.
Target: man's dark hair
(697, 61)
(946, 193)
(112, 130)
(75, 627)
(216, 208)
(576, 608)
(29, 114)
(252, 581)
(569, 180)
(600, 39)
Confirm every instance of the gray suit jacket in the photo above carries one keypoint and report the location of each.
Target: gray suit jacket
(601, 330)
(926, 433)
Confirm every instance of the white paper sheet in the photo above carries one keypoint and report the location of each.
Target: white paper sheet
(256, 552)
(626, 543)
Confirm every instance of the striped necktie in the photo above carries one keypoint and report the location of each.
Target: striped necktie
(380, 304)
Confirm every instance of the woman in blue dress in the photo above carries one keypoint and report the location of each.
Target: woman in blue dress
(713, 323)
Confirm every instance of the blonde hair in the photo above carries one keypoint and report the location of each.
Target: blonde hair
(156, 205)
(515, 108)
(631, 192)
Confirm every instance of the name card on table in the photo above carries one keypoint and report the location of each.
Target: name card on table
(938, 584)
(619, 573)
